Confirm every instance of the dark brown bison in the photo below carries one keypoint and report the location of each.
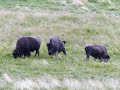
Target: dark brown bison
(56, 46)
(25, 45)
(97, 51)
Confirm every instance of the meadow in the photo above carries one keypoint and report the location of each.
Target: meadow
(79, 23)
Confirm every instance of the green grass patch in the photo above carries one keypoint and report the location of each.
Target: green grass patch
(45, 19)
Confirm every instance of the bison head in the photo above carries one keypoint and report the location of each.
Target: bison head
(16, 53)
(106, 58)
(50, 49)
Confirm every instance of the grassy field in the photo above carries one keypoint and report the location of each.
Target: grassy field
(79, 23)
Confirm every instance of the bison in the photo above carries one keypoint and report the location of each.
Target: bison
(25, 45)
(98, 52)
(56, 46)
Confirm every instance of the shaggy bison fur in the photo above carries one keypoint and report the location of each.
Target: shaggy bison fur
(25, 45)
(97, 51)
(56, 46)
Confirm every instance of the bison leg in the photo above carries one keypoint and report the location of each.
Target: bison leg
(24, 56)
(21, 55)
(106, 60)
(28, 53)
(64, 51)
(56, 54)
(87, 58)
(101, 59)
(37, 52)
(95, 57)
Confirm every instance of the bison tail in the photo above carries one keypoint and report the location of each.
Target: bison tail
(64, 42)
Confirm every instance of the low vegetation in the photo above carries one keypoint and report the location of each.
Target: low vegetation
(79, 23)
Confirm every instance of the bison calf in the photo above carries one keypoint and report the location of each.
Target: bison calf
(97, 51)
(56, 46)
(25, 45)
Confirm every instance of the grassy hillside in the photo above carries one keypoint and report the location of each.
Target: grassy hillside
(79, 24)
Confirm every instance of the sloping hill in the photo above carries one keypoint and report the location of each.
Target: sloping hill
(79, 23)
